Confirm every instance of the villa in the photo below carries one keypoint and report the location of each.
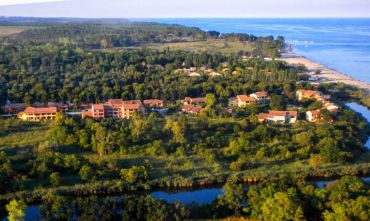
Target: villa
(278, 117)
(191, 109)
(331, 107)
(311, 95)
(34, 114)
(244, 100)
(262, 97)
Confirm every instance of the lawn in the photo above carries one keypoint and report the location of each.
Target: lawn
(214, 45)
(9, 30)
(225, 47)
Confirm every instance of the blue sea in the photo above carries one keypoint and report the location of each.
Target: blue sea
(341, 44)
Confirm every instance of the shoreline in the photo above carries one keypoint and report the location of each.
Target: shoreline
(326, 75)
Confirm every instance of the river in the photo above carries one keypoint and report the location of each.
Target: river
(364, 111)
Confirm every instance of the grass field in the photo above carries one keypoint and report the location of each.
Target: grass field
(215, 45)
(226, 47)
(9, 30)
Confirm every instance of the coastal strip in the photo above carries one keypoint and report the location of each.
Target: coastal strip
(322, 73)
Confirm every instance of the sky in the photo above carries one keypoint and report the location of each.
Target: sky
(185, 8)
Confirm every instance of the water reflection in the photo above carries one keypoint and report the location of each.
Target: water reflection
(202, 196)
(364, 111)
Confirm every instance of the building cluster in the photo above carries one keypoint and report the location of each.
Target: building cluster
(260, 97)
(279, 117)
(194, 72)
(125, 109)
(315, 115)
(193, 105)
(118, 108)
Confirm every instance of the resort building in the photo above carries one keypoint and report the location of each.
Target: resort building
(187, 108)
(262, 97)
(311, 95)
(114, 108)
(194, 101)
(130, 108)
(153, 103)
(34, 114)
(331, 107)
(244, 100)
(278, 117)
(313, 115)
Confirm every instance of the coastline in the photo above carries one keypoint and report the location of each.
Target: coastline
(326, 75)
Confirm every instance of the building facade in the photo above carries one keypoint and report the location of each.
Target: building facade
(33, 114)
(279, 117)
(244, 100)
(262, 97)
(114, 108)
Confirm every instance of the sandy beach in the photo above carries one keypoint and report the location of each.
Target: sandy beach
(327, 75)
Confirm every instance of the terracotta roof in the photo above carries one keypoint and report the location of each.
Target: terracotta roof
(293, 113)
(131, 106)
(309, 93)
(246, 98)
(261, 94)
(132, 102)
(97, 106)
(199, 99)
(87, 113)
(277, 113)
(262, 116)
(191, 109)
(42, 110)
(116, 102)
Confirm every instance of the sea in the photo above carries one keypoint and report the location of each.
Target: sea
(340, 44)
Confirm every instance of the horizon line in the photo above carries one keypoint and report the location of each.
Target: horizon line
(230, 17)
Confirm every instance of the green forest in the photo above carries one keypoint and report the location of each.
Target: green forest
(103, 170)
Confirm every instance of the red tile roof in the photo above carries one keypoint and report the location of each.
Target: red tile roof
(261, 94)
(309, 93)
(293, 113)
(42, 110)
(277, 113)
(131, 106)
(87, 113)
(191, 109)
(246, 98)
(97, 106)
(115, 102)
(132, 102)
